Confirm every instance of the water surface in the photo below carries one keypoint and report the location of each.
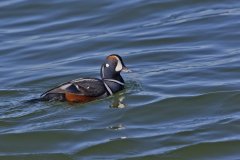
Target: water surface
(181, 101)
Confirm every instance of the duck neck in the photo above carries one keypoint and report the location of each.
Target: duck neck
(113, 81)
(106, 74)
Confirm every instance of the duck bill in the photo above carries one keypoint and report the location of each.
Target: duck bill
(125, 69)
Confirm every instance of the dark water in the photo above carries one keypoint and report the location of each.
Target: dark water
(181, 102)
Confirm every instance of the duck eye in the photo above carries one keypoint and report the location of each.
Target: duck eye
(107, 65)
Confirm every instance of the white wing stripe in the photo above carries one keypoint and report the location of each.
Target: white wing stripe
(84, 79)
(63, 87)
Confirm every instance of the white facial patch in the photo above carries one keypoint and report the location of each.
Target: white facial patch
(107, 65)
(119, 65)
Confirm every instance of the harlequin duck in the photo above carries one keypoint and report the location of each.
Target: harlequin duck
(88, 89)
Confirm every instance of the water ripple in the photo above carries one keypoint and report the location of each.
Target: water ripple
(179, 103)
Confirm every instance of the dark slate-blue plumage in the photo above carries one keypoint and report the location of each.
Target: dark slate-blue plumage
(88, 89)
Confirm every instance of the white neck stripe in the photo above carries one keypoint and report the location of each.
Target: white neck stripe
(102, 71)
(108, 88)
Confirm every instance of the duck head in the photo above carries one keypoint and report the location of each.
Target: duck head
(112, 67)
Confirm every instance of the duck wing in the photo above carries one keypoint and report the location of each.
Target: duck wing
(87, 86)
(83, 86)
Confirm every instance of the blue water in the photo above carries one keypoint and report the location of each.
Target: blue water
(181, 101)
